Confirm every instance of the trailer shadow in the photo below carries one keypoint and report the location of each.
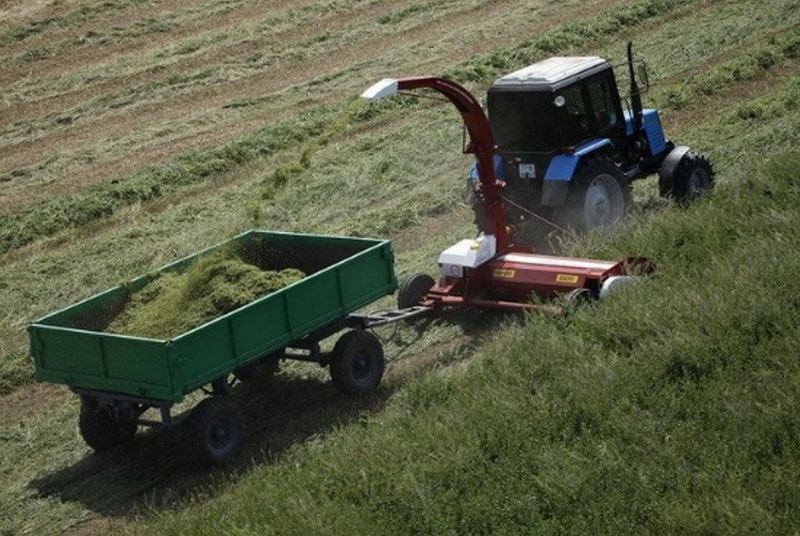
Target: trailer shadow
(155, 471)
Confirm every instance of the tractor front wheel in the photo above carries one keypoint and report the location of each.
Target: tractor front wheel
(598, 198)
(685, 176)
(357, 363)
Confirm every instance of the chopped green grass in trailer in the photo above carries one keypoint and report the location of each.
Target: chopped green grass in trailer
(176, 302)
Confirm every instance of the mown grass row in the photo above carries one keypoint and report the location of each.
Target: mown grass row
(101, 200)
(670, 408)
(79, 16)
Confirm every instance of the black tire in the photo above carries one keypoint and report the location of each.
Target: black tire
(262, 370)
(413, 289)
(685, 176)
(577, 297)
(598, 198)
(357, 363)
(102, 428)
(217, 431)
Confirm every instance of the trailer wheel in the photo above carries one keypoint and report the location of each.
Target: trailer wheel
(217, 431)
(598, 198)
(357, 362)
(413, 289)
(685, 176)
(101, 428)
(260, 370)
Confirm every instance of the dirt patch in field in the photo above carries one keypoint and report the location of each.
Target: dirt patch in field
(29, 401)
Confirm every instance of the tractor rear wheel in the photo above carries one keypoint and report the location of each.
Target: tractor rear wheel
(357, 362)
(101, 427)
(599, 196)
(413, 290)
(685, 176)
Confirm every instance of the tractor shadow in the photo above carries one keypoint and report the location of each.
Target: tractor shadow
(157, 472)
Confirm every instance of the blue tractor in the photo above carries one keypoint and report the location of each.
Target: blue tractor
(568, 146)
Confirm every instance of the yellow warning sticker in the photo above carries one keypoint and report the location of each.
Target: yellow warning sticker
(566, 278)
(504, 273)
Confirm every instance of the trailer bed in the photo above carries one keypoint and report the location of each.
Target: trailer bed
(343, 275)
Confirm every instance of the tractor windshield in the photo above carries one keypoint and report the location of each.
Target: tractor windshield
(523, 121)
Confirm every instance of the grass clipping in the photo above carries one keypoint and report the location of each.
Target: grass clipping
(176, 302)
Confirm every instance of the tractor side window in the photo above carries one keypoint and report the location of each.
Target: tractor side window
(575, 121)
(604, 111)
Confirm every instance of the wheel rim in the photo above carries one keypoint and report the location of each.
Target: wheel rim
(220, 435)
(698, 183)
(604, 203)
(362, 366)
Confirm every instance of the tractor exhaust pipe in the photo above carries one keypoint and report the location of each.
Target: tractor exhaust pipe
(636, 94)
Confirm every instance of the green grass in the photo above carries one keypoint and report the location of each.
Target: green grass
(670, 408)
(643, 411)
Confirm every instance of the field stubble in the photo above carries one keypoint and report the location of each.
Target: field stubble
(566, 424)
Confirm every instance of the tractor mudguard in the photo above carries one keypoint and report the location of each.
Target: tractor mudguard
(671, 162)
(562, 169)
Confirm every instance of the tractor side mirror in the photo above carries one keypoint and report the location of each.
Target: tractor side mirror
(644, 78)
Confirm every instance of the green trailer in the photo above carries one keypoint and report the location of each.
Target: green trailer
(119, 377)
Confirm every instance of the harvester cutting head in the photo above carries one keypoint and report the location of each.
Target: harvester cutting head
(490, 271)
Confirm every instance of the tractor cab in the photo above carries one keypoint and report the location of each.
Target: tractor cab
(553, 107)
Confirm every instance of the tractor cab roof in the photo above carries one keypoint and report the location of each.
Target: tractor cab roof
(552, 74)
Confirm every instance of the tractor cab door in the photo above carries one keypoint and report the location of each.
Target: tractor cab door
(605, 108)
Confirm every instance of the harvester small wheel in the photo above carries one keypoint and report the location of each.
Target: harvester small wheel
(413, 290)
(357, 362)
(685, 176)
(262, 370)
(217, 431)
(102, 428)
(577, 297)
(598, 198)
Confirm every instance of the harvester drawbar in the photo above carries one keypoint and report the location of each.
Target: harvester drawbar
(492, 271)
